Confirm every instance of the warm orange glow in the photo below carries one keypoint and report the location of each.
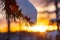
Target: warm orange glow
(55, 27)
(14, 27)
(42, 24)
(50, 28)
(39, 29)
(3, 28)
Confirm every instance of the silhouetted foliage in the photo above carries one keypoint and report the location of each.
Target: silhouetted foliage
(14, 12)
(2, 4)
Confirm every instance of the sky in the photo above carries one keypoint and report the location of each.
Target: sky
(30, 8)
(42, 5)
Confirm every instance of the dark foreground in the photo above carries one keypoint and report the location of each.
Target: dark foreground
(22, 36)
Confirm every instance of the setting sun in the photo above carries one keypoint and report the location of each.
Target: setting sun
(39, 29)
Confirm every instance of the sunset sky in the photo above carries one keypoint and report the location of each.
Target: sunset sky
(42, 5)
(40, 13)
(30, 8)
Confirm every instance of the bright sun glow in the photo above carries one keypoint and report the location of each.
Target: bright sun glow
(36, 28)
(42, 24)
(39, 29)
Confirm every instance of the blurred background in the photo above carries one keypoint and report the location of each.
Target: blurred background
(29, 20)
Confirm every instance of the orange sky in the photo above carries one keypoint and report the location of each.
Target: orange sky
(39, 7)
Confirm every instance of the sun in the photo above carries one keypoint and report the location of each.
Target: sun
(38, 28)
